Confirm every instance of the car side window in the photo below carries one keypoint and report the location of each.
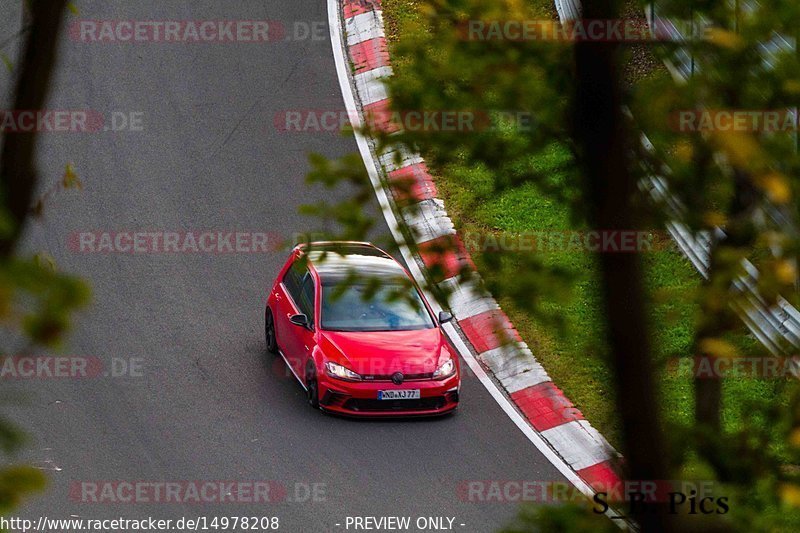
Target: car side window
(292, 281)
(306, 301)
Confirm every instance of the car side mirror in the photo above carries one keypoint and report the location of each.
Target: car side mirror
(444, 317)
(300, 320)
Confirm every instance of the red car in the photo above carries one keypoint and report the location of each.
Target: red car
(359, 335)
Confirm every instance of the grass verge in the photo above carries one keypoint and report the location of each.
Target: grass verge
(574, 357)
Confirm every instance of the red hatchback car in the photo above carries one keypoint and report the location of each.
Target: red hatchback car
(359, 335)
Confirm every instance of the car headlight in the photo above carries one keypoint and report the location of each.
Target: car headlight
(340, 372)
(446, 370)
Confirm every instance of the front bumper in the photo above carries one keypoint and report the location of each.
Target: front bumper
(360, 399)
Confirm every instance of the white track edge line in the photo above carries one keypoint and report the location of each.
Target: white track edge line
(366, 155)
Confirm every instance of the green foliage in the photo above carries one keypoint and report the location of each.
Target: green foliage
(729, 178)
(509, 178)
(7, 62)
(16, 482)
(560, 519)
(37, 305)
(38, 302)
(347, 214)
(442, 70)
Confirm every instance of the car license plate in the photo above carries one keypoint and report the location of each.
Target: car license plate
(408, 394)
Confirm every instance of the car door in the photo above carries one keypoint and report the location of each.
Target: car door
(287, 295)
(305, 336)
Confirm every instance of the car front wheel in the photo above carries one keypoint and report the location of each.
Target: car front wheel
(312, 389)
(269, 332)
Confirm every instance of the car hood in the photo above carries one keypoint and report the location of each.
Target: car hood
(385, 352)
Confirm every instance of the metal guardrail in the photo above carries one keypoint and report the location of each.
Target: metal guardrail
(775, 326)
(683, 62)
(568, 9)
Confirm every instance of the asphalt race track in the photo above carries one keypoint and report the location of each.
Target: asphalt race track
(210, 404)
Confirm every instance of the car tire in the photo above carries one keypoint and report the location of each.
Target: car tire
(269, 332)
(312, 390)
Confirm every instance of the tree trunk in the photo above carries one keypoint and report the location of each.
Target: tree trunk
(17, 161)
(599, 131)
(717, 321)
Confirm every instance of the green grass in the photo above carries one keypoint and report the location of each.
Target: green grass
(574, 357)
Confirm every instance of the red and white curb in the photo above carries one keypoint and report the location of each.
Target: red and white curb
(528, 396)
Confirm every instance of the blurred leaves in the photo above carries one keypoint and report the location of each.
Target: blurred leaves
(17, 482)
(742, 182)
(69, 180)
(37, 302)
(349, 213)
(560, 519)
(7, 62)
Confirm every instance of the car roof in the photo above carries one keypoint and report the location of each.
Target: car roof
(335, 261)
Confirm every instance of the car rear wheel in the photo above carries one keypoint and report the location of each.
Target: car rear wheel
(269, 332)
(312, 389)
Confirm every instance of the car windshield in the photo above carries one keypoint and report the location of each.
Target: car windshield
(348, 306)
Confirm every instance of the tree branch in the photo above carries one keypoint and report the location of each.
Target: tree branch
(17, 161)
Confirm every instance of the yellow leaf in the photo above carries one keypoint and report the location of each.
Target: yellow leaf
(724, 38)
(794, 438)
(71, 178)
(684, 151)
(742, 150)
(718, 348)
(45, 260)
(715, 218)
(776, 186)
(786, 272)
(790, 494)
(792, 86)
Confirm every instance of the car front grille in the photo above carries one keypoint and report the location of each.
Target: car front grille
(406, 377)
(421, 404)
